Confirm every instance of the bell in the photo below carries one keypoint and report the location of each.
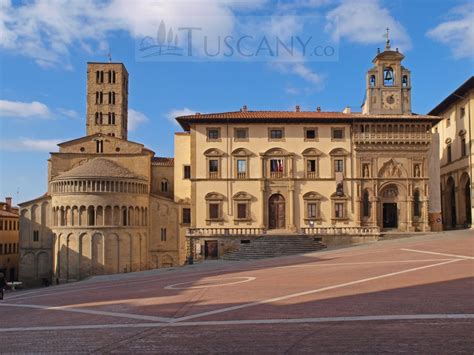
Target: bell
(388, 75)
(404, 80)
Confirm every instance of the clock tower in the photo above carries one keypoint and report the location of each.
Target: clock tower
(388, 85)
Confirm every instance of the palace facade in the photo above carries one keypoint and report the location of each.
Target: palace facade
(457, 155)
(9, 240)
(109, 204)
(245, 174)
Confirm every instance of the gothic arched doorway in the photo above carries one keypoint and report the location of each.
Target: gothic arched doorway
(389, 200)
(450, 203)
(276, 212)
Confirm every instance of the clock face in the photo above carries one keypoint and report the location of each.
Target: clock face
(390, 100)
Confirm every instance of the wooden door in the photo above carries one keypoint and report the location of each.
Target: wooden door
(276, 212)
(210, 249)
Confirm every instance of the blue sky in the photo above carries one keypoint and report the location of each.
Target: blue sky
(45, 45)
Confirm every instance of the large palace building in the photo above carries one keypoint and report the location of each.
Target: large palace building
(109, 206)
(113, 207)
(252, 173)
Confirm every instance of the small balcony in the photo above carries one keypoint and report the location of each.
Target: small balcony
(277, 174)
(311, 175)
(213, 174)
(242, 175)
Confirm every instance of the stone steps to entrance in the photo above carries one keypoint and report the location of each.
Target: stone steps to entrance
(273, 246)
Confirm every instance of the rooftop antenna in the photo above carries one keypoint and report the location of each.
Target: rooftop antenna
(387, 42)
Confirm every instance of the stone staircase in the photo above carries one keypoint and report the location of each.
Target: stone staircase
(271, 246)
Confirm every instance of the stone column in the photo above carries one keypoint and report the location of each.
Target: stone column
(374, 203)
(434, 175)
(291, 206)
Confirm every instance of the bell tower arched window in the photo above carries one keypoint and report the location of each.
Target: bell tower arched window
(388, 76)
(372, 81)
(405, 81)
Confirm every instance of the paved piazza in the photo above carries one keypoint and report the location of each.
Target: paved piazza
(405, 295)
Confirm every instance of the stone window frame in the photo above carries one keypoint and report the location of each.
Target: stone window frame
(336, 154)
(316, 131)
(236, 139)
(282, 139)
(343, 129)
(277, 153)
(241, 154)
(336, 199)
(219, 137)
(417, 205)
(311, 154)
(214, 198)
(242, 197)
(214, 154)
(316, 198)
(184, 223)
(164, 185)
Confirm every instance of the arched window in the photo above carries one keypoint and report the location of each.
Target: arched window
(405, 81)
(388, 76)
(164, 185)
(366, 204)
(416, 204)
(372, 81)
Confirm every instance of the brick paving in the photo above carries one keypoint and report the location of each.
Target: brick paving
(418, 291)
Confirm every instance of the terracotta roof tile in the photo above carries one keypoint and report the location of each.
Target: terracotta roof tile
(5, 213)
(288, 116)
(163, 161)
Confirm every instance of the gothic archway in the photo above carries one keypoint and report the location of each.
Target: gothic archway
(390, 206)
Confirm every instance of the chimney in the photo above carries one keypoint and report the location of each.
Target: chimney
(8, 201)
(297, 108)
(244, 108)
(318, 109)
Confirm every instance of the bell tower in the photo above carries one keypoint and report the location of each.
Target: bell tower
(388, 84)
(107, 99)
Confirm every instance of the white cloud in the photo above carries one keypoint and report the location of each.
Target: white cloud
(46, 30)
(20, 109)
(136, 118)
(457, 32)
(172, 114)
(365, 22)
(29, 144)
(68, 113)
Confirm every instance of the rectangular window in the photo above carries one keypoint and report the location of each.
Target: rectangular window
(187, 172)
(462, 112)
(241, 210)
(312, 210)
(163, 234)
(213, 210)
(1, 249)
(277, 168)
(311, 165)
(339, 210)
(449, 156)
(1, 225)
(186, 216)
(213, 168)
(276, 134)
(241, 168)
(36, 236)
(338, 165)
(213, 134)
(463, 147)
(311, 133)
(337, 133)
(241, 133)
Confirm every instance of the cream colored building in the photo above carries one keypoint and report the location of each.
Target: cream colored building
(457, 155)
(109, 204)
(246, 174)
(9, 238)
